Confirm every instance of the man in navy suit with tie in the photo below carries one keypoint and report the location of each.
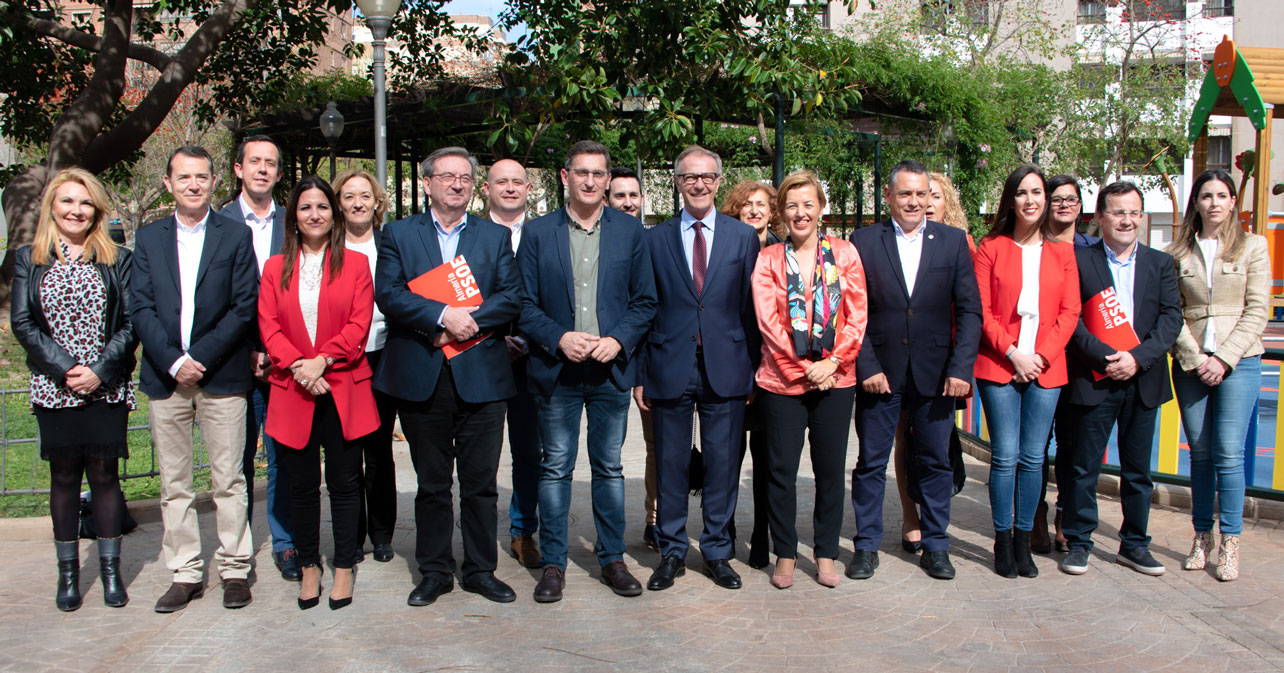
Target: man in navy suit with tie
(452, 410)
(701, 353)
(588, 301)
(920, 348)
(258, 166)
(194, 293)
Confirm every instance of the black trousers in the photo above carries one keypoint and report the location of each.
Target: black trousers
(1090, 430)
(379, 473)
(448, 434)
(787, 420)
(754, 442)
(1062, 423)
(342, 480)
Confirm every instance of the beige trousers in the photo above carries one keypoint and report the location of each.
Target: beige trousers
(222, 423)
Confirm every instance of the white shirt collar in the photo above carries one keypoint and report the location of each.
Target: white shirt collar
(687, 220)
(195, 228)
(247, 210)
(900, 231)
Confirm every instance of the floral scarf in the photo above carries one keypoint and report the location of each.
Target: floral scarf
(814, 341)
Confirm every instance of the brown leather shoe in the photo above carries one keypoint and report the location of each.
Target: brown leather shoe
(616, 575)
(236, 592)
(1063, 545)
(525, 551)
(179, 595)
(549, 589)
(1040, 543)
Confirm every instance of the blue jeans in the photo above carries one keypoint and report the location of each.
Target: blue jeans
(1020, 417)
(1216, 423)
(279, 514)
(559, 422)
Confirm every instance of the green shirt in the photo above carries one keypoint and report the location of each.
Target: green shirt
(585, 244)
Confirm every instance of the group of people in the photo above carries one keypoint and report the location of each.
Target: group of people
(752, 323)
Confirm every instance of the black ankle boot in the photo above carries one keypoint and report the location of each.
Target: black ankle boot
(1004, 560)
(68, 597)
(109, 567)
(1021, 552)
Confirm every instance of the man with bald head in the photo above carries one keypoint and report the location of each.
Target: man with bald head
(506, 189)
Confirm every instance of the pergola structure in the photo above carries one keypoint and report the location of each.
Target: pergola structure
(1244, 82)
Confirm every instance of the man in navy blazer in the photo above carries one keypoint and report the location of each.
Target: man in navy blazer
(588, 301)
(452, 410)
(194, 294)
(1134, 386)
(920, 347)
(258, 166)
(701, 353)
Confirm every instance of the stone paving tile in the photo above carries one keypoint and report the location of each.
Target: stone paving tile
(1111, 620)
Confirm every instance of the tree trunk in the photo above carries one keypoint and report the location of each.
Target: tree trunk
(21, 204)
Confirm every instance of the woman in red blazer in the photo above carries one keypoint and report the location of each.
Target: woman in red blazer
(315, 306)
(1029, 287)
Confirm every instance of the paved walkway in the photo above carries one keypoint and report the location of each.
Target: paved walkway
(1112, 619)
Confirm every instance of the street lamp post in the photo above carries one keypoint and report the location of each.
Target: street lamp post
(379, 14)
(332, 130)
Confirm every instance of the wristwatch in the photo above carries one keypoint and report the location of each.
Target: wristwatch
(834, 359)
(329, 360)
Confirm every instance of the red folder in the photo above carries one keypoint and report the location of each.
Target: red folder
(1104, 317)
(452, 284)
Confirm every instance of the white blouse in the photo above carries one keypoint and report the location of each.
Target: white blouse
(1208, 246)
(378, 325)
(1028, 300)
(310, 274)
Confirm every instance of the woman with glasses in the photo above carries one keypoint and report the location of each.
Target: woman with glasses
(810, 297)
(1029, 287)
(1224, 275)
(70, 311)
(315, 303)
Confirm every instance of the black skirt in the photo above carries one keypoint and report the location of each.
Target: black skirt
(95, 430)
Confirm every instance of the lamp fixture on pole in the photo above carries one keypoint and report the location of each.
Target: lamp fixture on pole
(332, 130)
(379, 14)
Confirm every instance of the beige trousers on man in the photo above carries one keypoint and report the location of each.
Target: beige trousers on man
(222, 421)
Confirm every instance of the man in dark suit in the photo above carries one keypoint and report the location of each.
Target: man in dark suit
(258, 167)
(701, 353)
(1134, 385)
(452, 410)
(195, 291)
(923, 301)
(589, 298)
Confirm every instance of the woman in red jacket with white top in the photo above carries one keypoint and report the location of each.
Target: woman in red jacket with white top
(315, 306)
(1030, 306)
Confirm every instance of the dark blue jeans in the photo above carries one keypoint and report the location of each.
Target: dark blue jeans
(279, 514)
(559, 422)
(524, 443)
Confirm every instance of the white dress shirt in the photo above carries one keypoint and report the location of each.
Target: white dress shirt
(1208, 247)
(191, 242)
(910, 249)
(261, 228)
(687, 227)
(1028, 300)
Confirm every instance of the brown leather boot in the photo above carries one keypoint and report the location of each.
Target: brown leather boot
(1040, 543)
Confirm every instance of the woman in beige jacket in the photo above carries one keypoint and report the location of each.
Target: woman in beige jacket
(1225, 275)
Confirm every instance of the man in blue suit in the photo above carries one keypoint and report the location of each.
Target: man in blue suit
(195, 296)
(258, 167)
(452, 410)
(589, 298)
(923, 301)
(701, 354)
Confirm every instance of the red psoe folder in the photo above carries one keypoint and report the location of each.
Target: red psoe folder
(452, 284)
(1105, 319)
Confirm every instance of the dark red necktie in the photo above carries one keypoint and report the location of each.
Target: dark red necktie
(698, 263)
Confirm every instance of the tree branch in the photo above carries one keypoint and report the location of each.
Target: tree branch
(89, 112)
(76, 38)
(114, 145)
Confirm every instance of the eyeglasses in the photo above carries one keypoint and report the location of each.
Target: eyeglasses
(1134, 214)
(450, 178)
(584, 174)
(1064, 200)
(690, 178)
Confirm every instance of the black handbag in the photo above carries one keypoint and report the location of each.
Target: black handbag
(127, 522)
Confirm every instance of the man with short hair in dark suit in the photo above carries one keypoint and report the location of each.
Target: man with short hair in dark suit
(195, 292)
(588, 301)
(701, 354)
(920, 346)
(258, 166)
(1135, 382)
(452, 409)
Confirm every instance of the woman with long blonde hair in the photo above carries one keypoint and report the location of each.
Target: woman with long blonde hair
(70, 312)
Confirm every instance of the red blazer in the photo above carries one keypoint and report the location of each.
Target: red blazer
(344, 310)
(998, 276)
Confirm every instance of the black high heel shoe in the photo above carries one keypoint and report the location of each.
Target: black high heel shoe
(336, 604)
(309, 603)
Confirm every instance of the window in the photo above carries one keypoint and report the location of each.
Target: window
(1139, 156)
(1216, 8)
(1219, 153)
(938, 13)
(81, 18)
(821, 10)
(1092, 11)
(1154, 10)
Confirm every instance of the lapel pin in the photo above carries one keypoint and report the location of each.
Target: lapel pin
(931, 236)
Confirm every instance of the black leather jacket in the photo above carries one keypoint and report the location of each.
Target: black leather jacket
(44, 355)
